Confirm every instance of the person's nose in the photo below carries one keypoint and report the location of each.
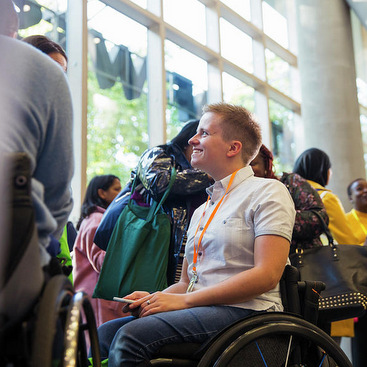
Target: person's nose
(193, 140)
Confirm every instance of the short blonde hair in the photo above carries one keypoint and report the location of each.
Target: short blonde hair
(238, 124)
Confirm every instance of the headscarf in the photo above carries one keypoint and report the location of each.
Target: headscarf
(267, 157)
(313, 164)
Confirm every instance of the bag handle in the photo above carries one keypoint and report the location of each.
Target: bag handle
(325, 228)
(333, 246)
(156, 206)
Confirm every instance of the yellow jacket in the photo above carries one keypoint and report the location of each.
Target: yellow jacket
(339, 224)
(342, 233)
(359, 227)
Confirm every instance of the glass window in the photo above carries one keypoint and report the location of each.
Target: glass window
(241, 7)
(282, 133)
(278, 72)
(117, 92)
(359, 47)
(117, 28)
(46, 17)
(275, 21)
(142, 3)
(362, 91)
(236, 45)
(363, 120)
(187, 83)
(237, 92)
(188, 16)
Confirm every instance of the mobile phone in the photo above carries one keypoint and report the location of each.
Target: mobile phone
(124, 300)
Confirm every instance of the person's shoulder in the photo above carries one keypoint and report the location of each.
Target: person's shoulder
(153, 152)
(34, 62)
(327, 195)
(261, 181)
(292, 178)
(98, 213)
(15, 47)
(92, 220)
(261, 184)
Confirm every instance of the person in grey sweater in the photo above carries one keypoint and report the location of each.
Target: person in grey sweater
(36, 118)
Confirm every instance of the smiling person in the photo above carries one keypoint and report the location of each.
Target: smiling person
(357, 193)
(237, 248)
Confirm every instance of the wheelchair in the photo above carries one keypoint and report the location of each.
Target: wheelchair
(269, 339)
(43, 321)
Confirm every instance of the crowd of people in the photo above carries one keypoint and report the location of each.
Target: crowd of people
(227, 249)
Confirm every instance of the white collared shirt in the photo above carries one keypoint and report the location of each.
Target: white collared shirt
(253, 207)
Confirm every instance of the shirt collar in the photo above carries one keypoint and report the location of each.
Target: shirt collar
(221, 185)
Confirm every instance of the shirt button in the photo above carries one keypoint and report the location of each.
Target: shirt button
(224, 222)
(200, 253)
(201, 228)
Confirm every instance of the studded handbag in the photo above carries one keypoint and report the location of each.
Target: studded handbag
(343, 269)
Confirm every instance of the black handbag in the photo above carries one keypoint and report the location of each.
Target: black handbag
(343, 269)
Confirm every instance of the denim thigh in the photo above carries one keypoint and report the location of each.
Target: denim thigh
(141, 339)
(106, 333)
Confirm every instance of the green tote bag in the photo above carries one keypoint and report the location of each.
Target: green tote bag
(137, 253)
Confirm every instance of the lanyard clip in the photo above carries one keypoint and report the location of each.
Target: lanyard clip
(193, 280)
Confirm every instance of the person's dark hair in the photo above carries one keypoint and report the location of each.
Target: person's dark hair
(186, 133)
(92, 199)
(9, 21)
(349, 188)
(313, 164)
(267, 157)
(45, 45)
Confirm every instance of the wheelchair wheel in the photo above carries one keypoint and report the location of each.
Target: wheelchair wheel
(274, 340)
(75, 347)
(48, 338)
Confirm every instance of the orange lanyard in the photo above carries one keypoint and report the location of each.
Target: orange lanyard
(359, 221)
(196, 248)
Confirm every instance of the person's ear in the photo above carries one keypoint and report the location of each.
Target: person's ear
(102, 194)
(235, 148)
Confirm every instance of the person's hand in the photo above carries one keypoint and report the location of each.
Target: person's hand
(137, 295)
(160, 302)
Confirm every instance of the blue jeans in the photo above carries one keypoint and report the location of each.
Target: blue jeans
(129, 341)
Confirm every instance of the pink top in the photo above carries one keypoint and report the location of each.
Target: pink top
(87, 262)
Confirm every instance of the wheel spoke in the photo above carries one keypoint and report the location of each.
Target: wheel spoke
(262, 356)
(288, 351)
(322, 359)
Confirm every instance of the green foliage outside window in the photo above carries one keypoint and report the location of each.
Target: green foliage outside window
(117, 130)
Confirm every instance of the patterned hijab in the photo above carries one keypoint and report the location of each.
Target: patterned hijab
(313, 164)
(268, 158)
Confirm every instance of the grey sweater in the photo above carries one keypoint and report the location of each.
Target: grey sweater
(36, 118)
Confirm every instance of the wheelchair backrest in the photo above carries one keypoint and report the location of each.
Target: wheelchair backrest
(22, 276)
